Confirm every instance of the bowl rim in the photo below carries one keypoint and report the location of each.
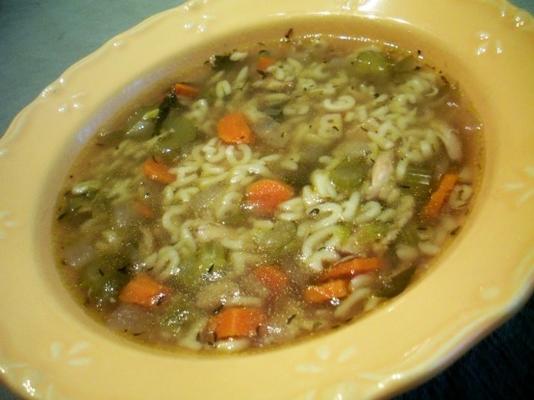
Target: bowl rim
(509, 23)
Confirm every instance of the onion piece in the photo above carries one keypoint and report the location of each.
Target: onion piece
(269, 132)
(78, 254)
(452, 144)
(232, 344)
(212, 296)
(130, 318)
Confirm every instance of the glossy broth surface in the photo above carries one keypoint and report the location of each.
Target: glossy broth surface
(286, 189)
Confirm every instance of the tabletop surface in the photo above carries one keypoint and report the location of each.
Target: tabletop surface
(39, 39)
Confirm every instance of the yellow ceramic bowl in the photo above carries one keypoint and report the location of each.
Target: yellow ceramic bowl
(49, 349)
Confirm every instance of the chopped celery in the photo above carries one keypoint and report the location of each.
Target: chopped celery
(343, 231)
(139, 127)
(103, 277)
(351, 149)
(151, 114)
(313, 149)
(169, 105)
(208, 265)
(407, 64)
(408, 235)
(206, 197)
(394, 282)
(141, 130)
(418, 176)
(350, 173)
(86, 187)
(299, 177)
(307, 162)
(275, 112)
(277, 240)
(418, 182)
(372, 65)
(235, 216)
(188, 279)
(177, 316)
(208, 93)
(212, 255)
(181, 126)
(77, 208)
(288, 250)
(371, 232)
(79, 203)
(179, 132)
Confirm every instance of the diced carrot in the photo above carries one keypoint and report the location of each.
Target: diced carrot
(157, 172)
(264, 196)
(264, 62)
(354, 266)
(237, 322)
(272, 277)
(233, 128)
(440, 195)
(144, 291)
(143, 209)
(337, 289)
(183, 89)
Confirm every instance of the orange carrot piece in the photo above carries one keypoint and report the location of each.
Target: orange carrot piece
(157, 172)
(354, 266)
(233, 128)
(438, 198)
(237, 322)
(143, 209)
(264, 62)
(144, 291)
(272, 277)
(264, 195)
(183, 89)
(324, 292)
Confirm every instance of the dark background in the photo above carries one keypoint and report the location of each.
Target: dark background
(39, 39)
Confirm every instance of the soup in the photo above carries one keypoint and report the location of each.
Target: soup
(286, 189)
